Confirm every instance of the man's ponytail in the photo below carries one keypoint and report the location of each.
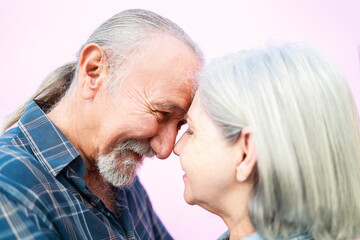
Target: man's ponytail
(51, 90)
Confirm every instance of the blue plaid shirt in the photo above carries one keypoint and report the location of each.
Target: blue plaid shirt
(43, 194)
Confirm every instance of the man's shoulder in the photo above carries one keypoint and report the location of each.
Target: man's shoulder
(14, 149)
(11, 137)
(18, 165)
(23, 180)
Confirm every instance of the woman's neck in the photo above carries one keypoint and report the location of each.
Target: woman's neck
(240, 228)
(235, 213)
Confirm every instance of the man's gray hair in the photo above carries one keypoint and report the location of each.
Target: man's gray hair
(119, 37)
(305, 127)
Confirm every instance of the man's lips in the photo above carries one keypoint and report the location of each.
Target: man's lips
(137, 156)
(133, 154)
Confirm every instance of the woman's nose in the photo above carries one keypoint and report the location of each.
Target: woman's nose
(178, 146)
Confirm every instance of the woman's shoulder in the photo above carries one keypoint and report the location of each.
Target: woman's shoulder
(257, 236)
(254, 236)
(299, 236)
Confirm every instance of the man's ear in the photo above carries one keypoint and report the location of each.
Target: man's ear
(246, 161)
(92, 70)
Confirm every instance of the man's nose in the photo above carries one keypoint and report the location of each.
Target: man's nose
(163, 142)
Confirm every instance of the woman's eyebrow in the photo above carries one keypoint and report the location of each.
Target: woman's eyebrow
(188, 119)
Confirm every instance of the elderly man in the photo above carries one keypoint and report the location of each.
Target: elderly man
(68, 170)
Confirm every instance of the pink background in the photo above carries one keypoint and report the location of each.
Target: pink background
(38, 36)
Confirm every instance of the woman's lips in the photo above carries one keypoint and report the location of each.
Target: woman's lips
(184, 176)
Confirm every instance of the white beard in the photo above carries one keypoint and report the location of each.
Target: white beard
(119, 167)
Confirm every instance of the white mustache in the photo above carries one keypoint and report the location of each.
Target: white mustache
(141, 147)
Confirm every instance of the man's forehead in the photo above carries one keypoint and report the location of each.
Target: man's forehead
(177, 97)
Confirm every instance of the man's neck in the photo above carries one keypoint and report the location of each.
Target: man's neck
(71, 121)
(67, 120)
(64, 117)
(101, 188)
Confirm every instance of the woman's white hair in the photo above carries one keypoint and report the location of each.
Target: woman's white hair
(306, 131)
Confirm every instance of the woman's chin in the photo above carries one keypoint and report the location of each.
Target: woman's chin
(189, 199)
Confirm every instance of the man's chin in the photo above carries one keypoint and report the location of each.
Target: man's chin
(128, 183)
(119, 173)
(119, 179)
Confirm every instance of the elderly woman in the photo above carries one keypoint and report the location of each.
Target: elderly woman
(273, 146)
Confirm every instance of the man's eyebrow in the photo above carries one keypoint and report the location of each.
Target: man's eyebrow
(172, 106)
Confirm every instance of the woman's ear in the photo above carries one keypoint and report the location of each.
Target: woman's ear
(246, 161)
(91, 70)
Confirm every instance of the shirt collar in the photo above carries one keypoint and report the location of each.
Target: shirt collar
(224, 236)
(50, 146)
(254, 236)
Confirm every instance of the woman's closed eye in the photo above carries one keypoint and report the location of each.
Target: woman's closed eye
(189, 131)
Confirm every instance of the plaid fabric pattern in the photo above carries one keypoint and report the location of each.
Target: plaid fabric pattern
(43, 194)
